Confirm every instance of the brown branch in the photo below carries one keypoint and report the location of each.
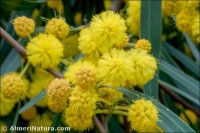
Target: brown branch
(99, 125)
(116, 5)
(178, 99)
(22, 51)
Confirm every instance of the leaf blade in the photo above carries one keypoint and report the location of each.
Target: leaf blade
(151, 14)
(33, 101)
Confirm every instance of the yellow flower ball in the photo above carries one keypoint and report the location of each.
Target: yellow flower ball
(58, 93)
(23, 26)
(143, 116)
(107, 29)
(56, 4)
(86, 76)
(56, 106)
(43, 120)
(143, 44)
(35, 88)
(53, 4)
(114, 68)
(89, 46)
(71, 73)
(110, 28)
(124, 41)
(109, 94)
(57, 27)
(6, 105)
(184, 19)
(40, 80)
(13, 87)
(191, 115)
(29, 114)
(59, 90)
(195, 28)
(81, 109)
(172, 8)
(133, 20)
(44, 51)
(144, 65)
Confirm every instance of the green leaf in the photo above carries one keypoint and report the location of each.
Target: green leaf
(113, 125)
(193, 48)
(68, 12)
(151, 29)
(19, 4)
(166, 56)
(186, 61)
(56, 122)
(168, 121)
(191, 84)
(33, 101)
(181, 92)
(16, 116)
(11, 62)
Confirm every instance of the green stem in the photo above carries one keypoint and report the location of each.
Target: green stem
(66, 62)
(121, 108)
(77, 28)
(25, 69)
(105, 111)
(16, 115)
(105, 101)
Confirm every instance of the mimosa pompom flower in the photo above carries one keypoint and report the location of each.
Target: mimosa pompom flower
(107, 29)
(58, 93)
(86, 76)
(29, 114)
(6, 105)
(172, 8)
(73, 73)
(191, 115)
(59, 90)
(133, 20)
(23, 26)
(44, 51)
(109, 26)
(183, 20)
(143, 44)
(143, 116)
(109, 94)
(56, 106)
(114, 68)
(43, 120)
(12, 86)
(57, 27)
(88, 44)
(81, 109)
(195, 28)
(145, 66)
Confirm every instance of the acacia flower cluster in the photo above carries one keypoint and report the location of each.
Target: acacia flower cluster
(91, 84)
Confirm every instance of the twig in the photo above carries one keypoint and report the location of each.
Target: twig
(116, 5)
(179, 99)
(22, 51)
(99, 125)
